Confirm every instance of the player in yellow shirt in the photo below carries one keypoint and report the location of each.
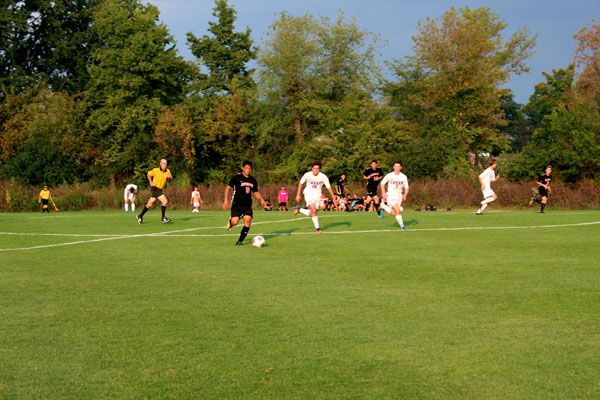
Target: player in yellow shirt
(158, 177)
(43, 198)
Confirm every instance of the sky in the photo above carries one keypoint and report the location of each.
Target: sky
(395, 21)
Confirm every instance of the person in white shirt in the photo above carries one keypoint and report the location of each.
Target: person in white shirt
(312, 193)
(196, 200)
(129, 197)
(486, 178)
(397, 189)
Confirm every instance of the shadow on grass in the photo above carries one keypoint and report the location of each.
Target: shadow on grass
(336, 224)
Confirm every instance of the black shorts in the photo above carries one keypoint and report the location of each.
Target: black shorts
(241, 211)
(156, 192)
(283, 204)
(371, 193)
(44, 202)
(543, 191)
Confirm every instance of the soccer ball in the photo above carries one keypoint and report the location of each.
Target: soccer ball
(258, 241)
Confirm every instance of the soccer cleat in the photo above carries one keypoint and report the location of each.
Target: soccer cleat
(133, 212)
(239, 243)
(126, 212)
(165, 220)
(381, 215)
(531, 201)
(296, 210)
(478, 213)
(319, 230)
(403, 227)
(140, 219)
(228, 226)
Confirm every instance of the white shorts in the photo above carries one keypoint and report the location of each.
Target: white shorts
(394, 199)
(311, 198)
(196, 204)
(487, 192)
(130, 196)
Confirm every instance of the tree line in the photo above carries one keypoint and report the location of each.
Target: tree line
(94, 91)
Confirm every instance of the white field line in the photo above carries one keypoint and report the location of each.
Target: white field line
(113, 237)
(177, 234)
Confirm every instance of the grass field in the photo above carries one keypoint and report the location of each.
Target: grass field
(506, 305)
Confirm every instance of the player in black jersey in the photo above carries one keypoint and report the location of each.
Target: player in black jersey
(543, 183)
(373, 175)
(243, 186)
(339, 185)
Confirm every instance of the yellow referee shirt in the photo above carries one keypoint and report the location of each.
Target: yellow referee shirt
(159, 178)
(45, 194)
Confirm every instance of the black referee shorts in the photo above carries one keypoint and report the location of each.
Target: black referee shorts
(156, 192)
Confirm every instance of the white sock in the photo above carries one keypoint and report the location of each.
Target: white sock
(126, 207)
(315, 222)
(305, 211)
(386, 208)
(399, 219)
(132, 206)
(488, 200)
(483, 206)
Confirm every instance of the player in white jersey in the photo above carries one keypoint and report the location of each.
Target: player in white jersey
(486, 178)
(129, 197)
(397, 189)
(314, 180)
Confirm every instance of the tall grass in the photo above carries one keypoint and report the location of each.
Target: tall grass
(457, 193)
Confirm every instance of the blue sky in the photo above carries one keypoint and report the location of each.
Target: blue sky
(554, 21)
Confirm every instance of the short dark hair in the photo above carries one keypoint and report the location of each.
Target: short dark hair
(397, 162)
(492, 162)
(374, 160)
(316, 163)
(246, 162)
(548, 166)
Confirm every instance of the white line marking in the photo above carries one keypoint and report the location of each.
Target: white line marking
(113, 237)
(168, 234)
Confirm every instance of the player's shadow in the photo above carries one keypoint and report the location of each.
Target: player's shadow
(193, 217)
(411, 222)
(336, 224)
(277, 234)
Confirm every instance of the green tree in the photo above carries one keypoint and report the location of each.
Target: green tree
(45, 43)
(318, 81)
(452, 86)
(225, 54)
(135, 74)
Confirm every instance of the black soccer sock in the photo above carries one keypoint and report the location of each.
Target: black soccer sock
(543, 206)
(163, 208)
(144, 211)
(245, 230)
(377, 208)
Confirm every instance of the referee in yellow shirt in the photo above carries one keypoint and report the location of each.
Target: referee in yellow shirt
(43, 198)
(158, 177)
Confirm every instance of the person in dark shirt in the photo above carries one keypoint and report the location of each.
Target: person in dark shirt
(339, 185)
(544, 190)
(373, 175)
(243, 186)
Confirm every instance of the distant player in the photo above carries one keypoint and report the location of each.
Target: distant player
(397, 189)
(543, 183)
(339, 185)
(196, 200)
(486, 178)
(282, 196)
(243, 186)
(373, 175)
(44, 198)
(158, 178)
(129, 197)
(314, 180)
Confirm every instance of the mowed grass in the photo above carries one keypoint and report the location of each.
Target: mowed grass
(459, 306)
